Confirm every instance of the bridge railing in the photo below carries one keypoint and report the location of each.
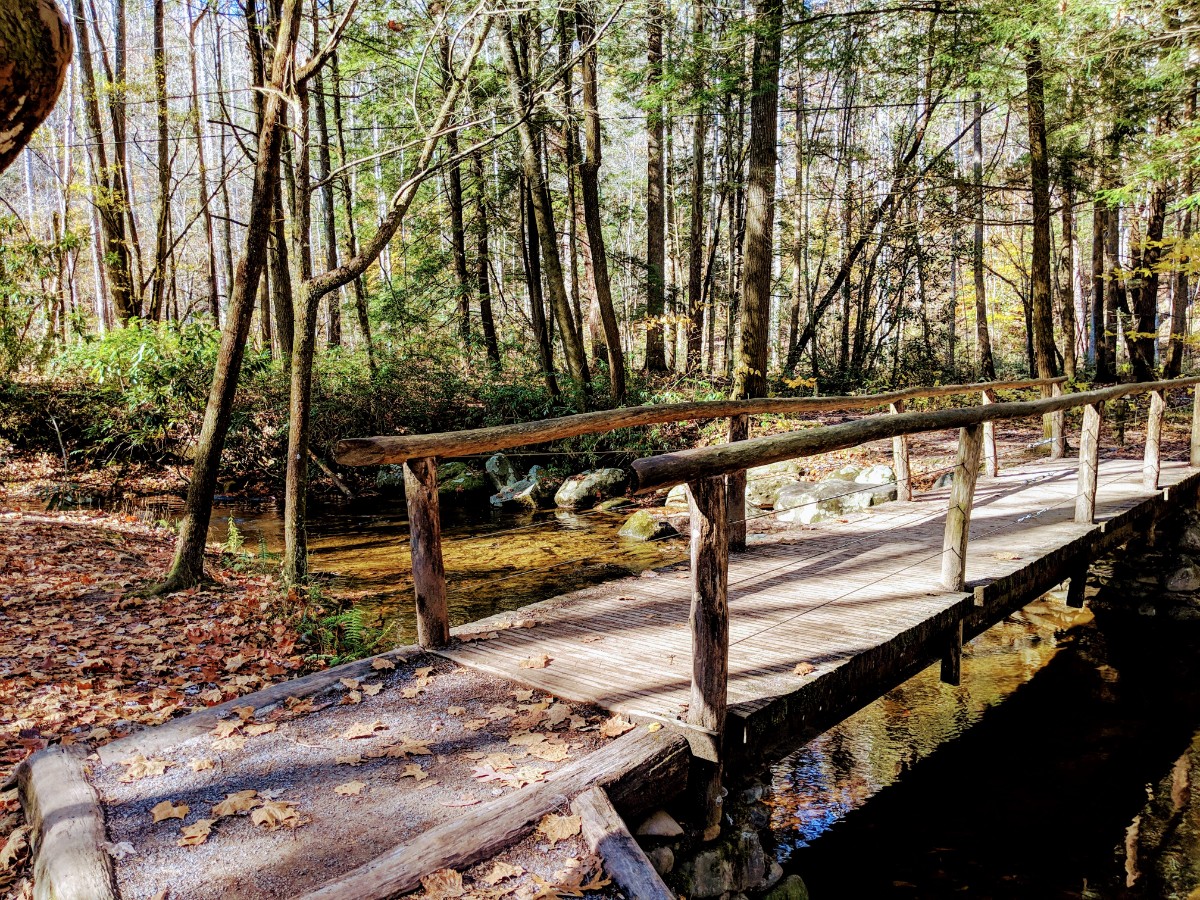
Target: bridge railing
(705, 471)
(419, 455)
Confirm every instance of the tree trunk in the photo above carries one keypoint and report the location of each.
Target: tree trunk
(987, 366)
(531, 257)
(483, 260)
(1143, 338)
(1104, 362)
(655, 362)
(750, 377)
(1179, 302)
(35, 54)
(161, 248)
(458, 237)
(1066, 291)
(333, 312)
(696, 224)
(1041, 309)
(188, 566)
(214, 300)
(589, 189)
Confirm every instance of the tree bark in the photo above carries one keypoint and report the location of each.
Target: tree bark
(1042, 311)
(655, 361)
(161, 248)
(483, 262)
(1066, 290)
(35, 54)
(214, 300)
(987, 365)
(458, 237)
(333, 312)
(1104, 362)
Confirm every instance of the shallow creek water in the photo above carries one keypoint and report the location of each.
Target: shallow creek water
(1066, 765)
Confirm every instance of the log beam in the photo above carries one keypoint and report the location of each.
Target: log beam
(425, 544)
(1194, 456)
(958, 515)
(608, 837)
(952, 661)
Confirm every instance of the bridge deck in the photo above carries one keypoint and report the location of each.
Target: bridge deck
(858, 600)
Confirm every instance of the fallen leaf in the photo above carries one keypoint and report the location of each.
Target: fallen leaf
(496, 713)
(298, 707)
(443, 884)
(803, 669)
(456, 710)
(226, 728)
(234, 663)
(349, 683)
(523, 696)
(550, 752)
(363, 730)
(350, 788)
(536, 662)
(14, 851)
(256, 729)
(557, 714)
(407, 747)
(1007, 555)
(196, 833)
(349, 760)
(502, 870)
(558, 828)
(138, 766)
(276, 814)
(245, 713)
(382, 665)
(615, 727)
(168, 810)
(350, 698)
(236, 804)
(233, 742)
(475, 724)
(372, 689)
(119, 850)
(423, 672)
(414, 771)
(200, 765)
(410, 693)
(593, 638)
(654, 726)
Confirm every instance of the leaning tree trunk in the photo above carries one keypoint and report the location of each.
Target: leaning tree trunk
(35, 52)
(188, 566)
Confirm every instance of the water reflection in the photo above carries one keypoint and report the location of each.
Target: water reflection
(1062, 767)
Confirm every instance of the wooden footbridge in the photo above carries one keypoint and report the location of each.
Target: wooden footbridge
(751, 652)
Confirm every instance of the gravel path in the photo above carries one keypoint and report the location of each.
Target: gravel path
(436, 740)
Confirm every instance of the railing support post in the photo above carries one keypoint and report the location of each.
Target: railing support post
(900, 459)
(1058, 430)
(1089, 464)
(425, 545)
(952, 661)
(709, 621)
(958, 515)
(991, 460)
(735, 485)
(1194, 458)
(1078, 585)
(1151, 463)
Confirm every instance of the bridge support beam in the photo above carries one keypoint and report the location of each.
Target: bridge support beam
(991, 460)
(735, 484)
(709, 621)
(1089, 464)
(900, 459)
(1078, 585)
(952, 661)
(958, 516)
(425, 544)
(1154, 420)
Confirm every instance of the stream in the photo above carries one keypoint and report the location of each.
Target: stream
(1062, 767)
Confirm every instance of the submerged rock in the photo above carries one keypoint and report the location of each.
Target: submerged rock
(663, 859)
(645, 525)
(534, 491)
(791, 888)
(585, 490)
(614, 503)
(459, 482)
(500, 471)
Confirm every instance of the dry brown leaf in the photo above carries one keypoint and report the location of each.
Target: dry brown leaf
(526, 738)
(502, 870)
(550, 752)
(350, 788)
(496, 713)
(276, 814)
(245, 713)
(363, 730)
(475, 724)
(803, 669)
(14, 851)
(299, 707)
(558, 828)
(423, 672)
(226, 728)
(407, 747)
(414, 771)
(523, 696)
(233, 742)
(557, 714)
(235, 662)
(456, 710)
(372, 689)
(593, 638)
(349, 683)
(138, 766)
(443, 884)
(201, 765)
(536, 662)
(382, 665)
(350, 698)
(615, 727)
(236, 804)
(1007, 555)
(196, 833)
(254, 730)
(168, 810)
(410, 693)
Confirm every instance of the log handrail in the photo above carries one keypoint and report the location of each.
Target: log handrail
(669, 469)
(399, 448)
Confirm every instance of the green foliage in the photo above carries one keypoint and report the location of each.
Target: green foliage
(28, 271)
(338, 634)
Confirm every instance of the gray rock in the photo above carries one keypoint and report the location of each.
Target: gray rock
(500, 471)
(645, 525)
(807, 503)
(584, 491)
(793, 467)
(614, 503)
(710, 874)
(390, 478)
(663, 859)
(749, 860)
(791, 888)
(762, 490)
(1184, 579)
(944, 480)
(774, 873)
(1189, 539)
(850, 471)
(534, 491)
(677, 497)
(660, 824)
(877, 474)
(459, 483)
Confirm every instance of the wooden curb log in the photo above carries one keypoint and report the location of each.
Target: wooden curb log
(624, 861)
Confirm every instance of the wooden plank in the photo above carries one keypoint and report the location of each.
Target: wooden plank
(425, 545)
(958, 516)
(608, 837)
(637, 769)
(64, 814)
(1089, 461)
(1151, 461)
(710, 635)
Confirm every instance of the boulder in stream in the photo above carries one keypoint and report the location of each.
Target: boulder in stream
(585, 490)
(534, 491)
(646, 525)
(500, 471)
(806, 503)
(459, 483)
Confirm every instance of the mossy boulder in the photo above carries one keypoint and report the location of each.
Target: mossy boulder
(646, 525)
(587, 489)
(460, 483)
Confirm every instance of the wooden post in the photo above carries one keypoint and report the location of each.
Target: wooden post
(958, 516)
(735, 485)
(1077, 586)
(425, 544)
(991, 459)
(900, 459)
(1058, 430)
(1154, 419)
(710, 634)
(1089, 463)
(952, 661)
(1194, 458)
